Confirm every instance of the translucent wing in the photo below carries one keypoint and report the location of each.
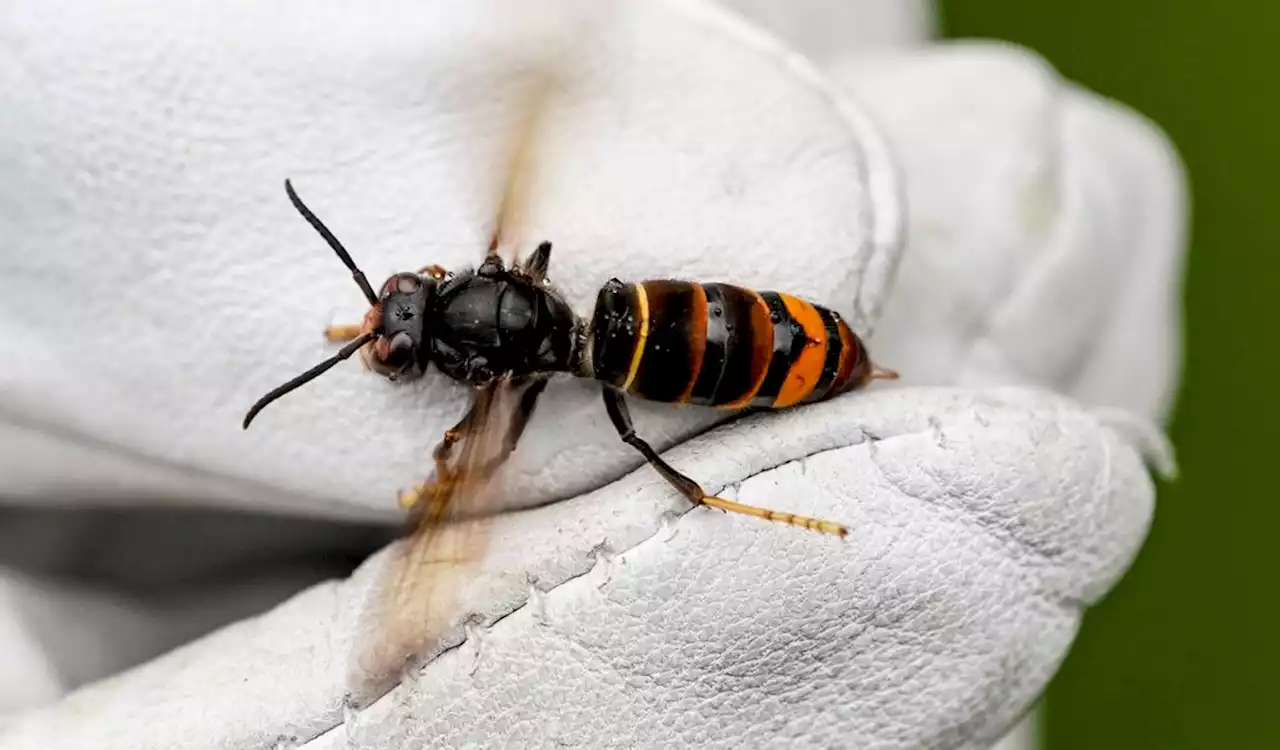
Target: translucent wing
(521, 166)
(414, 602)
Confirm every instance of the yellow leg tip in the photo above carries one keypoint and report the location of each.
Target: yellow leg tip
(341, 333)
(812, 524)
(408, 499)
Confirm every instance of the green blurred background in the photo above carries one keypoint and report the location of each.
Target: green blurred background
(1178, 655)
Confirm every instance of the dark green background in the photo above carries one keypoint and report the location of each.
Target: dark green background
(1179, 656)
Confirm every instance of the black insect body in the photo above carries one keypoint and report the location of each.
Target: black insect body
(660, 340)
(495, 321)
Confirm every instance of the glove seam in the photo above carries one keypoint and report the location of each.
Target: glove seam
(866, 438)
(862, 436)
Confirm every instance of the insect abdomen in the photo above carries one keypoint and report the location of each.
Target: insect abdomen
(722, 345)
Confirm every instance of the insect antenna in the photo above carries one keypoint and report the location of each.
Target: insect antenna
(308, 376)
(343, 255)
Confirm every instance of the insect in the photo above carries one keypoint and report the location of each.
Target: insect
(679, 342)
(505, 330)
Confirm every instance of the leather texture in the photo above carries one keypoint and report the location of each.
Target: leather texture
(983, 521)
(993, 495)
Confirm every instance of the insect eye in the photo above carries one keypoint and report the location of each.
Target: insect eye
(398, 350)
(402, 283)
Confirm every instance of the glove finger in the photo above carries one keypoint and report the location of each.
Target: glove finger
(682, 142)
(1046, 229)
(982, 524)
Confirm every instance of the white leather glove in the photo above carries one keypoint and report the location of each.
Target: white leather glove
(157, 281)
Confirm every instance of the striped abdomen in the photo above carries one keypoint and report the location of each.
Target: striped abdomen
(722, 345)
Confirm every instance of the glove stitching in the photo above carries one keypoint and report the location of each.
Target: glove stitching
(656, 537)
(866, 437)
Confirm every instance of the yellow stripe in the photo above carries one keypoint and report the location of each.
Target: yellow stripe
(642, 302)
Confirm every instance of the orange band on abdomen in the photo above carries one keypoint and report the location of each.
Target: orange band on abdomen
(806, 370)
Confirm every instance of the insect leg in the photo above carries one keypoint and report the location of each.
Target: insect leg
(434, 271)
(442, 453)
(617, 408)
(444, 449)
(342, 332)
(528, 402)
(524, 411)
(535, 268)
(350, 331)
(492, 266)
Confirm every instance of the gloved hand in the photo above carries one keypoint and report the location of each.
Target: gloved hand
(157, 282)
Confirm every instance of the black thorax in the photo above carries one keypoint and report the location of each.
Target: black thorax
(488, 323)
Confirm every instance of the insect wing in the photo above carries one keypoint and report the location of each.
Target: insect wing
(415, 603)
(521, 165)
